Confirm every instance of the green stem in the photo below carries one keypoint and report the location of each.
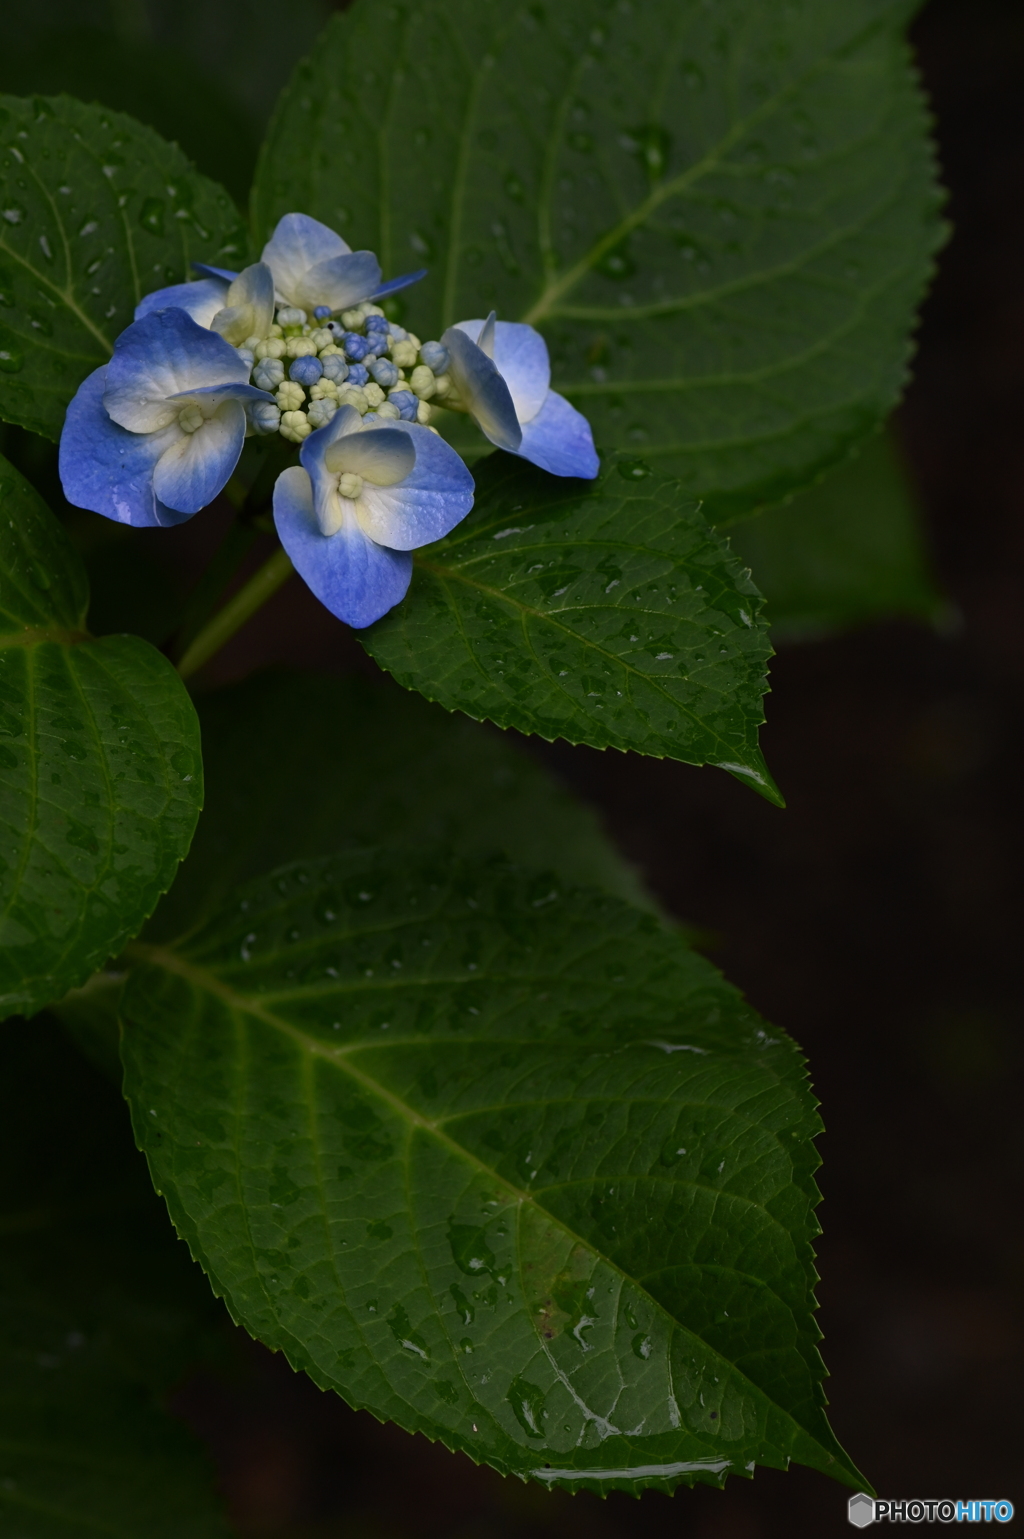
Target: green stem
(202, 600)
(261, 586)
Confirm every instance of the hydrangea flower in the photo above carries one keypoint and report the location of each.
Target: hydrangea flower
(311, 267)
(311, 362)
(368, 491)
(240, 310)
(154, 435)
(502, 374)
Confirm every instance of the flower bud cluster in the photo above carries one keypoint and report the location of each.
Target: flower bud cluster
(314, 364)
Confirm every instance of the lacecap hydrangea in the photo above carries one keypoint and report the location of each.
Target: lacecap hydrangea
(297, 345)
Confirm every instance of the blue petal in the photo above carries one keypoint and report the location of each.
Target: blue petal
(340, 281)
(483, 391)
(200, 300)
(107, 469)
(196, 466)
(214, 272)
(559, 439)
(225, 393)
(394, 284)
(313, 266)
(297, 244)
(356, 579)
(424, 506)
(165, 354)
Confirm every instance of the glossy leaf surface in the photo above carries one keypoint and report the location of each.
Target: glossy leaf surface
(502, 1162)
(96, 210)
(100, 767)
(390, 769)
(101, 1311)
(331, 763)
(721, 216)
(604, 612)
(844, 552)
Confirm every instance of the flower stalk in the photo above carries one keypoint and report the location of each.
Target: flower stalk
(262, 585)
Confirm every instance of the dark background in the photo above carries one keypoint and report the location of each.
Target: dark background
(877, 919)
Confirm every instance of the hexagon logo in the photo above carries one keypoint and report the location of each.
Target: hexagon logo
(861, 1510)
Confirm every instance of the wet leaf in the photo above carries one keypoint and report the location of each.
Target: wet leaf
(96, 210)
(604, 612)
(416, 775)
(504, 1163)
(722, 217)
(100, 768)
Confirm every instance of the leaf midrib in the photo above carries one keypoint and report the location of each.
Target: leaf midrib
(238, 1005)
(544, 305)
(524, 611)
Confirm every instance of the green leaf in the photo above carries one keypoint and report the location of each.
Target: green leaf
(844, 552)
(722, 217)
(100, 770)
(328, 763)
(603, 612)
(472, 787)
(95, 211)
(500, 1161)
(100, 1313)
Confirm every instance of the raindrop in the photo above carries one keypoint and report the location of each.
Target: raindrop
(11, 361)
(527, 1402)
(151, 215)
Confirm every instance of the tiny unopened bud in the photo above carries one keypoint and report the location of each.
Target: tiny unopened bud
(406, 403)
(300, 347)
(290, 396)
(324, 390)
(295, 426)
(356, 346)
(353, 395)
(442, 385)
(321, 312)
(422, 381)
(321, 412)
(321, 338)
(350, 319)
(306, 370)
(374, 395)
(268, 374)
(435, 356)
(273, 347)
(246, 355)
(404, 354)
(423, 413)
(350, 485)
(357, 374)
(289, 315)
(390, 410)
(384, 372)
(334, 365)
(265, 417)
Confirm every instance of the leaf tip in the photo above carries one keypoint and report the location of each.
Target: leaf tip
(757, 775)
